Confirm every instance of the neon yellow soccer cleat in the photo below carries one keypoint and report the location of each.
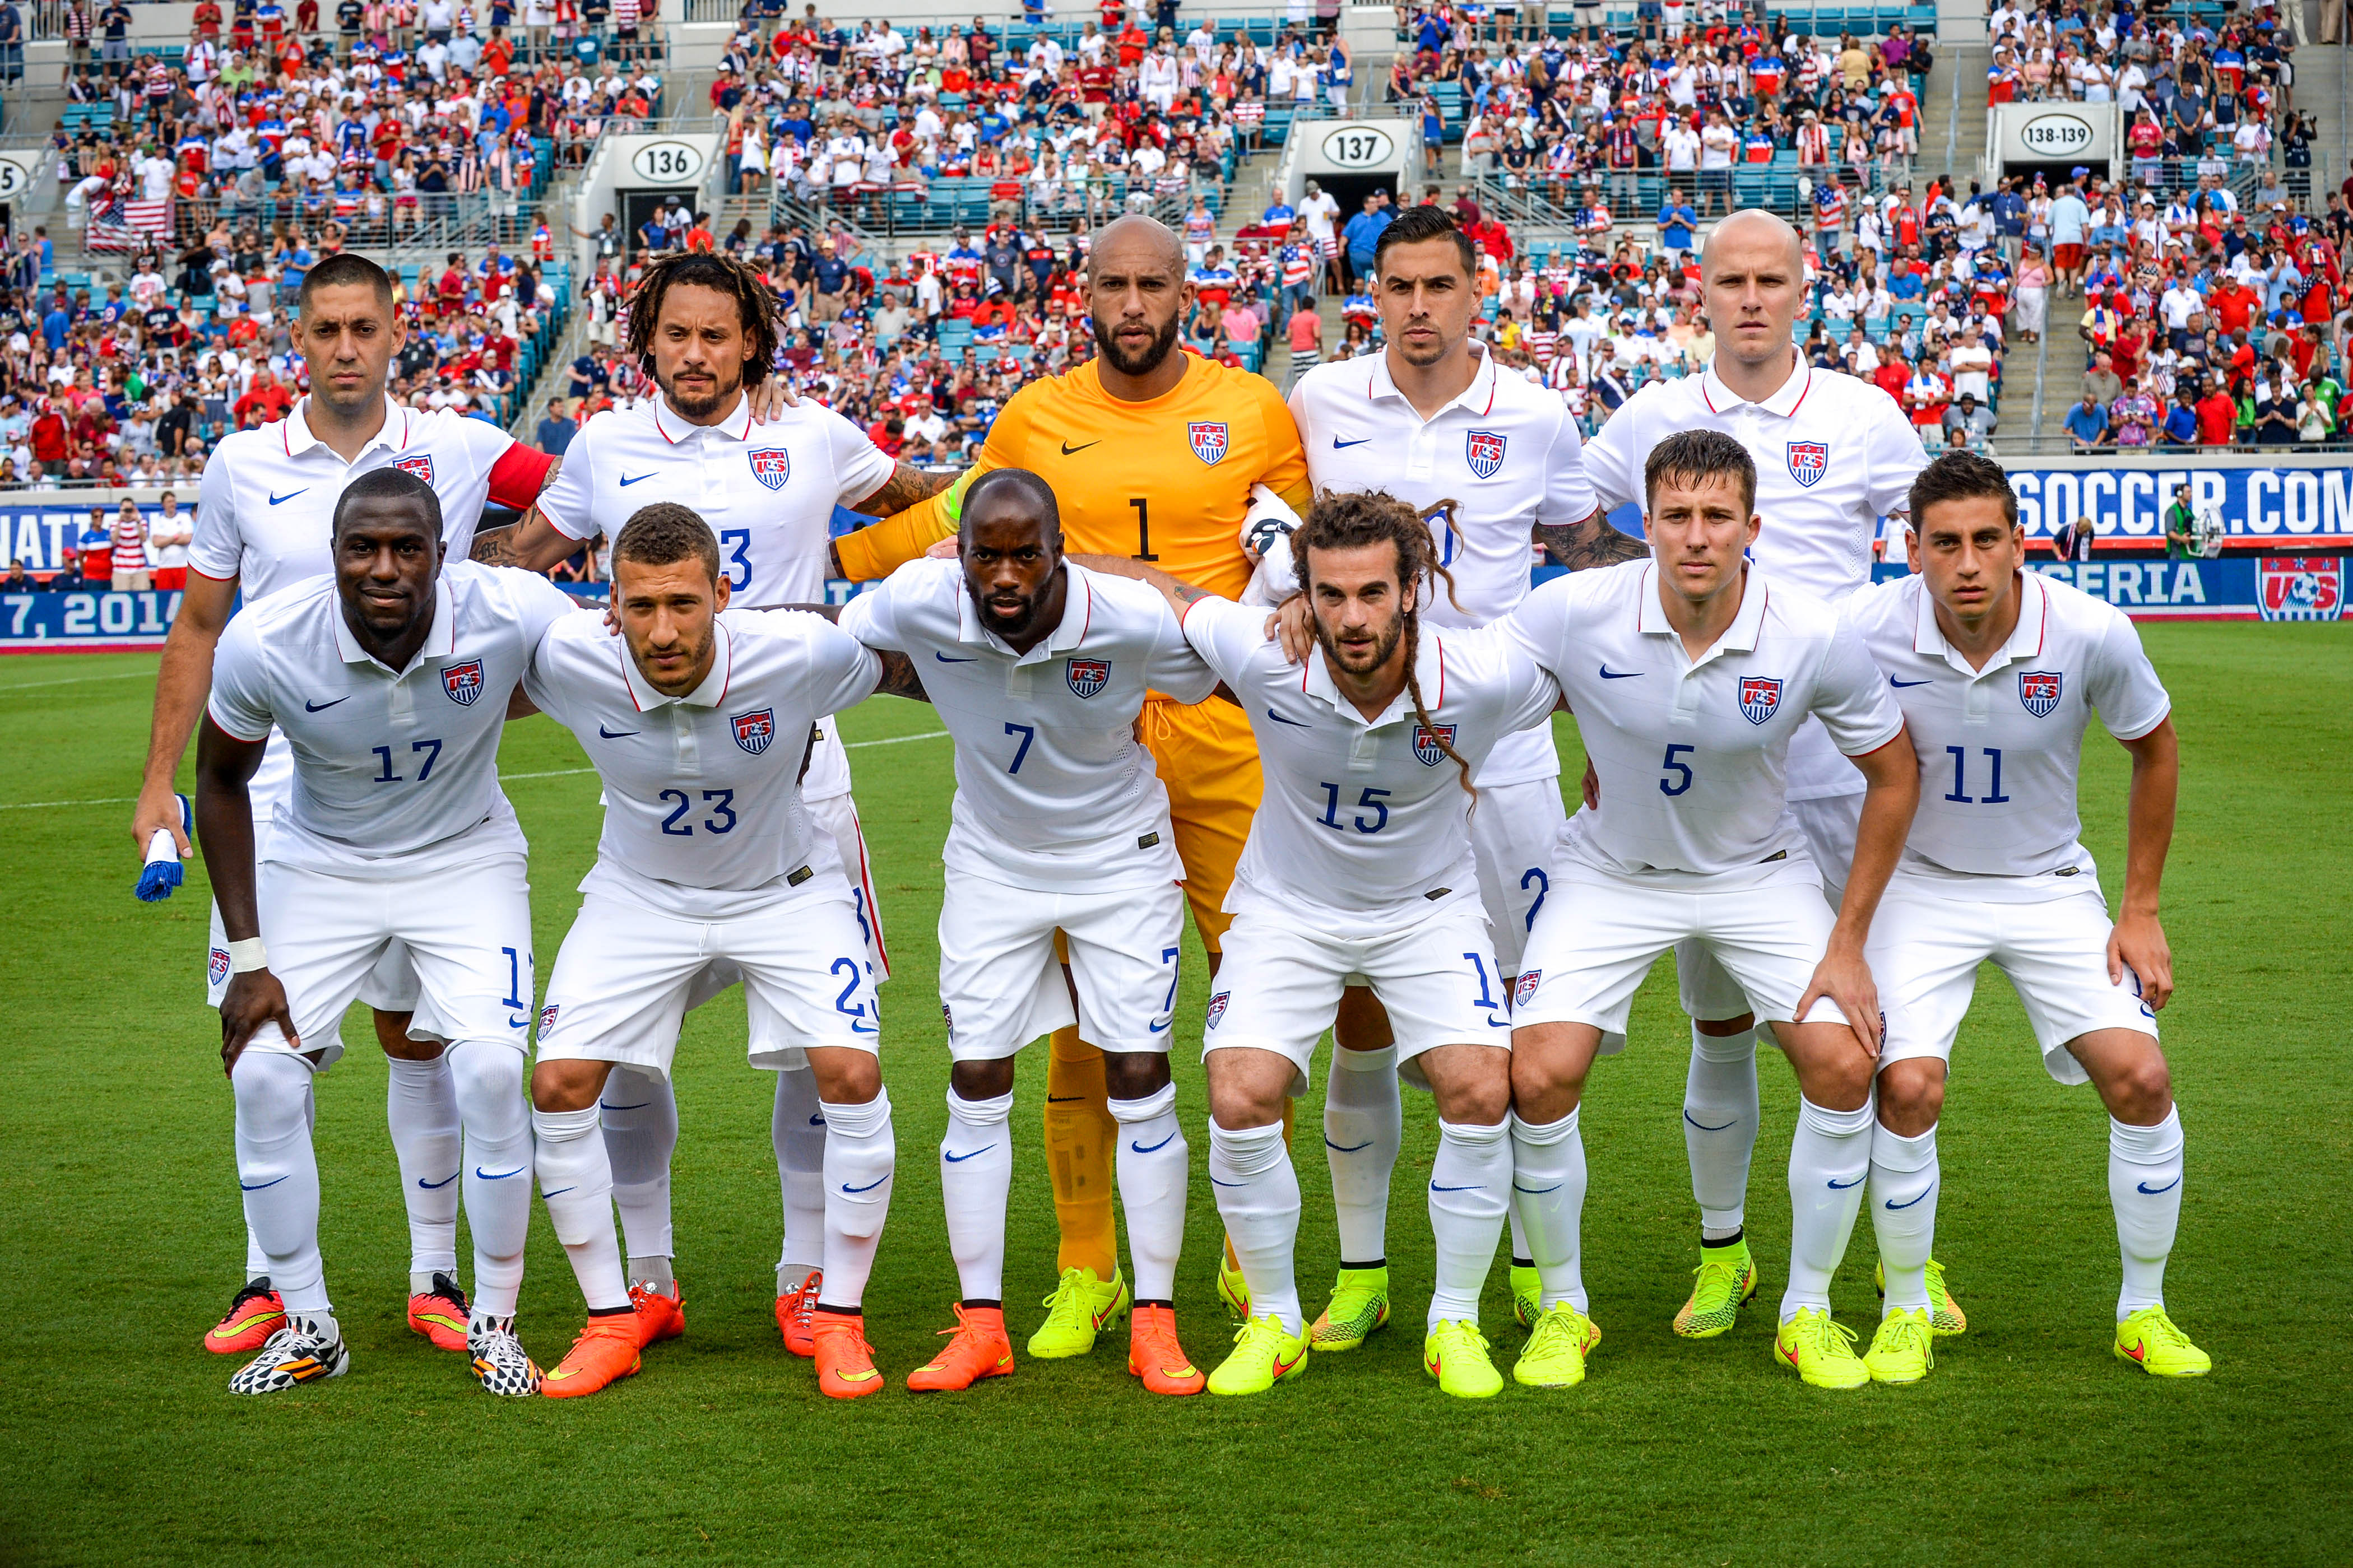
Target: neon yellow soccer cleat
(1554, 1354)
(2149, 1341)
(1725, 1281)
(1360, 1303)
(1455, 1353)
(1903, 1349)
(1264, 1355)
(1233, 1290)
(1943, 1310)
(1822, 1351)
(1528, 1296)
(1079, 1307)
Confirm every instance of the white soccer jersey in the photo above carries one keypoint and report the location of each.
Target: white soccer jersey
(1054, 791)
(1364, 816)
(2001, 747)
(703, 817)
(1506, 452)
(1833, 456)
(1692, 755)
(387, 763)
(767, 491)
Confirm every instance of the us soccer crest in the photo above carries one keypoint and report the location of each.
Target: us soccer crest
(1809, 461)
(1216, 1009)
(1524, 990)
(2038, 690)
(463, 682)
(754, 732)
(420, 465)
(2300, 587)
(1483, 449)
(1429, 743)
(547, 1019)
(1089, 675)
(1760, 697)
(216, 966)
(1209, 439)
(772, 465)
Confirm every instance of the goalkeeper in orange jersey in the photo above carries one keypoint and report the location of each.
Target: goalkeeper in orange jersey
(1153, 454)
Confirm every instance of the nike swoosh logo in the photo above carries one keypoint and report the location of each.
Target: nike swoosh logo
(1535, 1191)
(1215, 1183)
(1347, 1148)
(1842, 1186)
(1704, 1127)
(1340, 446)
(1473, 1187)
(613, 734)
(435, 1186)
(867, 1188)
(499, 1175)
(518, 1023)
(556, 1193)
(1280, 719)
(1900, 685)
(1610, 674)
(276, 500)
(1893, 1205)
(257, 1187)
(1068, 450)
(959, 1159)
(945, 659)
(858, 1029)
(1156, 1148)
(638, 1106)
(625, 483)
(1282, 1366)
(311, 707)
(1064, 1098)
(814, 1120)
(2152, 1192)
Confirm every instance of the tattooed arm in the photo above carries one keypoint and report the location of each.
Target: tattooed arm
(906, 486)
(534, 544)
(1177, 592)
(1593, 542)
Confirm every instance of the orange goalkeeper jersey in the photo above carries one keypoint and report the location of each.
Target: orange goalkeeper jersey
(1166, 480)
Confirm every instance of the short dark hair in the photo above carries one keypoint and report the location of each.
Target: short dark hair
(1962, 475)
(1418, 224)
(342, 269)
(390, 484)
(1032, 484)
(665, 533)
(1693, 455)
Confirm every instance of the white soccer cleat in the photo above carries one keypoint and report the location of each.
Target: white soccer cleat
(500, 1364)
(307, 1350)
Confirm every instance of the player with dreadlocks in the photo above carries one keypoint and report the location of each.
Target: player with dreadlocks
(766, 479)
(1359, 868)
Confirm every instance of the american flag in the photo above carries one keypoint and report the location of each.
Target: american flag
(128, 225)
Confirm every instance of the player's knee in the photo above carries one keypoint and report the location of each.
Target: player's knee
(1482, 1103)
(1725, 1029)
(567, 1084)
(847, 1077)
(1840, 1080)
(486, 1078)
(272, 1096)
(2142, 1092)
(1133, 1075)
(982, 1079)
(1910, 1095)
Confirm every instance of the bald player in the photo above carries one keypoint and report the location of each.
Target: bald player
(1154, 456)
(1833, 456)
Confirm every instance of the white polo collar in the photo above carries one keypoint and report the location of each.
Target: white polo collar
(294, 430)
(709, 694)
(1782, 403)
(2025, 638)
(1478, 399)
(737, 426)
(1740, 636)
(1078, 614)
(440, 639)
(1429, 672)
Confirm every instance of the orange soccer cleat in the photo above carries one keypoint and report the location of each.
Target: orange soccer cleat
(1154, 1354)
(794, 1312)
(253, 1314)
(605, 1352)
(845, 1362)
(440, 1314)
(659, 1316)
(979, 1350)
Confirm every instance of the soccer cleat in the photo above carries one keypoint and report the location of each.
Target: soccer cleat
(793, 1315)
(1725, 1281)
(978, 1350)
(1943, 1310)
(303, 1350)
(1264, 1355)
(659, 1316)
(2149, 1341)
(1902, 1350)
(1360, 1303)
(1822, 1351)
(1555, 1355)
(500, 1364)
(605, 1352)
(1233, 1290)
(1154, 1354)
(1527, 1295)
(845, 1362)
(1079, 1308)
(1455, 1353)
(253, 1314)
(440, 1314)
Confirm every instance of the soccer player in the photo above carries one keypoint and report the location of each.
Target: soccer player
(1688, 675)
(699, 725)
(388, 683)
(1153, 455)
(1833, 455)
(1999, 671)
(765, 479)
(264, 522)
(1491, 461)
(1039, 669)
(1359, 864)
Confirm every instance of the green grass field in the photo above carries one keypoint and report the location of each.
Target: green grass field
(121, 1231)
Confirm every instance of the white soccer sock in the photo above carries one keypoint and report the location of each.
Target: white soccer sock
(256, 1262)
(797, 1127)
(1548, 1194)
(486, 1078)
(575, 1181)
(859, 1156)
(1364, 1122)
(280, 1175)
(421, 1109)
(1904, 1212)
(1154, 1164)
(1829, 1158)
(1720, 1118)
(1258, 1197)
(975, 1175)
(639, 1112)
(1470, 1189)
(2145, 1186)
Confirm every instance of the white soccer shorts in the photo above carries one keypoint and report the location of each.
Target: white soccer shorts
(466, 931)
(1926, 945)
(1513, 830)
(390, 986)
(1001, 985)
(1599, 935)
(1828, 822)
(1279, 987)
(623, 976)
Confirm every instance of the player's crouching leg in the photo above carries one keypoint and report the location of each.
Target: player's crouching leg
(280, 1175)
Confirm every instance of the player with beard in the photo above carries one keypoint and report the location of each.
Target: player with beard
(1157, 457)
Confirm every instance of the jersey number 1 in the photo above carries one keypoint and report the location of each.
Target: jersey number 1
(1142, 530)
